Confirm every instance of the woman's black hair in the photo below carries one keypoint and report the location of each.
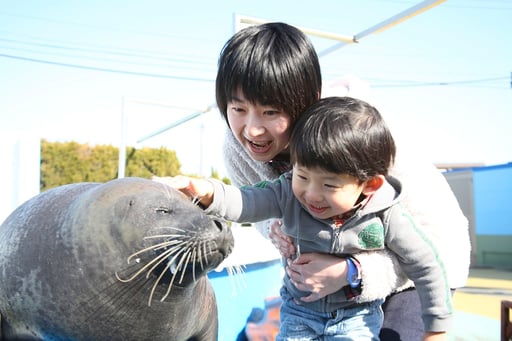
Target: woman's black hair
(271, 64)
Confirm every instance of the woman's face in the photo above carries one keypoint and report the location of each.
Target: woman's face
(262, 130)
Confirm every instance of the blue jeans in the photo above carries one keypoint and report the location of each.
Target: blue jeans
(362, 322)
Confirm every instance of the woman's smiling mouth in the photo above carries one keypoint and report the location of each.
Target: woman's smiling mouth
(259, 147)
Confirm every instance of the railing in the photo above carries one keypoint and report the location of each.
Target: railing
(506, 324)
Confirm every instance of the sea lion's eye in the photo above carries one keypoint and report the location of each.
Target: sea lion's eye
(163, 210)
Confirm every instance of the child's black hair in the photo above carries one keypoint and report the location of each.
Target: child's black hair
(343, 135)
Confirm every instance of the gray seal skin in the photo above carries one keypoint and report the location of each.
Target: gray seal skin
(92, 261)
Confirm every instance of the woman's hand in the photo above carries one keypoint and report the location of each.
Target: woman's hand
(321, 274)
(280, 240)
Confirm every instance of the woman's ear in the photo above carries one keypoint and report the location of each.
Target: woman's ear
(372, 185)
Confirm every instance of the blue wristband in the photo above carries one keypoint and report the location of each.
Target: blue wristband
(353, 278)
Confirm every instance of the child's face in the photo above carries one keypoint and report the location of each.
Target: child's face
(262, 130)
(325, 194)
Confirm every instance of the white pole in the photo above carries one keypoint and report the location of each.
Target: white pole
(201, 133)
(177, 123)
(386, 24)
(122, 145)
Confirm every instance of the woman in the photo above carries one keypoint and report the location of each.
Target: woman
(268, 75)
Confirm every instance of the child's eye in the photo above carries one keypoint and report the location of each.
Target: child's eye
(331, 186)
(271, 112)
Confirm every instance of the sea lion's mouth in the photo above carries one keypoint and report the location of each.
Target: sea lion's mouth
(178, 258)
(199, 266)
(174, 267)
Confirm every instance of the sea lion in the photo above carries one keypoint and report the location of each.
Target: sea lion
(123, 260)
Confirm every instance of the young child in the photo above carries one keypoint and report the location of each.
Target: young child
(338, 199)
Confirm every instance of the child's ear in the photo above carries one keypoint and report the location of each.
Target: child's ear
(373, 184)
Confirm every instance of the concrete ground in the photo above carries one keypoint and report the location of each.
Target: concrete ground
(478, 305)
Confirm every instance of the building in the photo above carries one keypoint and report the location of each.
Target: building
(485, 196)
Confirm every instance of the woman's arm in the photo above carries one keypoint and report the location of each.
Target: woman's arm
(324, 274)
(320, 274)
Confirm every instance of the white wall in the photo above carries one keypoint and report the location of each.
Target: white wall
(19, 171)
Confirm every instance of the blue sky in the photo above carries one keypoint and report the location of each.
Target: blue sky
(442, 79)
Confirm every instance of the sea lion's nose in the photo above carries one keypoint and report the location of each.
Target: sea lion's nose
(221, 224)
(226, 236)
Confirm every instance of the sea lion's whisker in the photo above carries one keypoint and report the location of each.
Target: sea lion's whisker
(200, 255)
(177, 245)
(206, 251)
(195, 200)
(167, 191)
(239, 269)
(170, 235)
(167, 245)
(236, 277)
(172, 279)
(142, 269)
(211, 245)
(152, 248)
(194, 259)
(202, 251)
(153, 288)
(168, 238)
(162, 273)
(158, 259)
(178, 250)
(184, 266)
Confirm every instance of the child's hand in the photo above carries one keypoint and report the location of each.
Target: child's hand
(179, 182)
(196, 189)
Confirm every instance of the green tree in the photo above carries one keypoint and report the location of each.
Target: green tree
(215, 174)
(147, 162)
(70, 162)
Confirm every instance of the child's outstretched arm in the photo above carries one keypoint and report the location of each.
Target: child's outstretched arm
(196, 189)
